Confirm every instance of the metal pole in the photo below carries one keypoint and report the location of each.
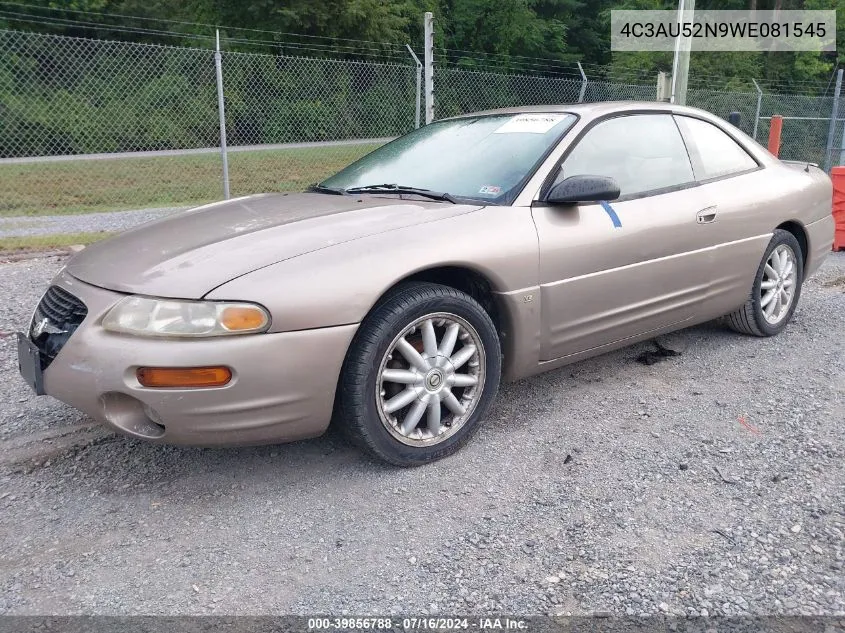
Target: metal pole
(583, 83)
(680, 65)
(429, 67)
(419, 96)
(419, 85)
(221, 109)
(757, 112)
(831, 131)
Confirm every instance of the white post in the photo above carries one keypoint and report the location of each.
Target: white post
(664, 89)
(680, 64)
(583, 83)
(221, 110)
(429, 67)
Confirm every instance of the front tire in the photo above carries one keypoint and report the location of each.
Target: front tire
(422, 371)
(776, 290)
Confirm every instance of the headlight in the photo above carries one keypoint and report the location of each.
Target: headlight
(145, 316)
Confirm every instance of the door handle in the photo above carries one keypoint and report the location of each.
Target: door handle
(706, 215)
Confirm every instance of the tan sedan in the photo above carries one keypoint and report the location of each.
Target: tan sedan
(393, 296)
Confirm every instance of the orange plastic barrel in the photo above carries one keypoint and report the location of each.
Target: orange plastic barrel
(775, 128)
(837, 175)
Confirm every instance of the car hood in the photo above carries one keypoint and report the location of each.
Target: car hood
(191, 253)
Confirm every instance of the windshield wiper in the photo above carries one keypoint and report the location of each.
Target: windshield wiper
(389, 188)
(318, 188)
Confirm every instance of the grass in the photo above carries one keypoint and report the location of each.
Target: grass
(86, 186)
(14, 245)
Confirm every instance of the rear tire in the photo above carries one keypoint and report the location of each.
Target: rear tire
(776, 290)
(425, 354)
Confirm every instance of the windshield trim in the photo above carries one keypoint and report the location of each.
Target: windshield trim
(504, 200)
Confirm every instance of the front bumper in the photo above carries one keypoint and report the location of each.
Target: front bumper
(282, 386)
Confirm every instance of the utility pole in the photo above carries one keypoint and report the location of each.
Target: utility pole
(680, 65)
(429, 67)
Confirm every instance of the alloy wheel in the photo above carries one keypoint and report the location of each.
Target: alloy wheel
(777, 289)
(430, 379)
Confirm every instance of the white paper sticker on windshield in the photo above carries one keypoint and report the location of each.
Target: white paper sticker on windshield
(531, 124)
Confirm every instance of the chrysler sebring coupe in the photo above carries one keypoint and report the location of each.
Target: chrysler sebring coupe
(393, 297)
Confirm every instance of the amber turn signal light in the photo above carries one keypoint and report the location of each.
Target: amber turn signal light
(240, 318)
(184, 377)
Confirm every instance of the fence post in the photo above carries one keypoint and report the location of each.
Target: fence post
(429, 67)
(664, 88)
(757, 111)
(831, 130)
(583, 83)
(221, 110)
(419, 86)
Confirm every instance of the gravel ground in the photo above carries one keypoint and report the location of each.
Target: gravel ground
(80, 223)
(608, 486)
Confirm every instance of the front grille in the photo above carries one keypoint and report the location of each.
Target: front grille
(56, 318)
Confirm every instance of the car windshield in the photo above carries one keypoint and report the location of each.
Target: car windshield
(482, 157)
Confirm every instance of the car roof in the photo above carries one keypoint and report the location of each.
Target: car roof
(595, 109)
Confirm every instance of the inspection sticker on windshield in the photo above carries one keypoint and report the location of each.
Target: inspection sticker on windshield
(492, 190)
(531, 123)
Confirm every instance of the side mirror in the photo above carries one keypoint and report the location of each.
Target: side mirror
(583, 188)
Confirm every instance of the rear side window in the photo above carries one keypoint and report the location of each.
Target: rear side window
(642, 152)
(713, 152)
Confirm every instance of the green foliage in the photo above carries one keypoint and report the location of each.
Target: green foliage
(509, 30)
(87, 97)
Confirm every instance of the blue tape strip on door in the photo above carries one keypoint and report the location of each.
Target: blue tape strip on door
(611, 213)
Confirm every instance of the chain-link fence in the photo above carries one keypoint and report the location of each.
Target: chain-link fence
(319, 114)
(806, 127)
(723, 103)
(611, 91)
(461, 91)
(90, 125)
(73, 96)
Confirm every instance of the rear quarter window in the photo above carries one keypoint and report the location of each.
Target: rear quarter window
(714, 153)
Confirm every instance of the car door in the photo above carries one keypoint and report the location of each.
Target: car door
(612, 271)
(739, 189)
